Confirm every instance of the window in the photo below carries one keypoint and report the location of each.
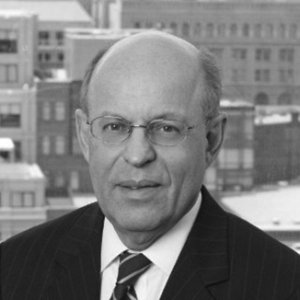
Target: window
(44, 57)
(8, 73)
(261, 99)
(44, 38)
(18, 150)
(286, 75)
(233, 30)
(262, 75)
(263, 54)
(59, 111)
(59, 145)
(60, 57)
(46, 148)
(210, 30)
(239, 53)
(8, 41)
(22, 199)
(47, 56)
(197, 29)
(74, 180)
(185, 29)
(16, 200)
(60, 38)
(293, 31)
(286, 55)
(10, 115)
(246, 30)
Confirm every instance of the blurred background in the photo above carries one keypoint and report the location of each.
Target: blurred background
(45, 47)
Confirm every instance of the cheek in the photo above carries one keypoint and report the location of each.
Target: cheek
(101, 162)
(188, 165)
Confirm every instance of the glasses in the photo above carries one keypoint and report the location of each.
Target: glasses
(114, 130)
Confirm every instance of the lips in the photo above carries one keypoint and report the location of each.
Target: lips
(137, 185)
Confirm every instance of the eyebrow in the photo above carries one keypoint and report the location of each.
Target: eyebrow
(164, 115)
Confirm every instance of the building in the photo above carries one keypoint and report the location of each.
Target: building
(53, 18)
(17, 91)
(256, 42)
(58, 152)
(22, 197)
(277, 144)
(235, 162)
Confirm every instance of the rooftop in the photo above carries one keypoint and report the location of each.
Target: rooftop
(6, 144)
(20, 171)
(50, 11)
(276, 208)
(7, 13)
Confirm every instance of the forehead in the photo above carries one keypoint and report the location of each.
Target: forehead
(146, 82)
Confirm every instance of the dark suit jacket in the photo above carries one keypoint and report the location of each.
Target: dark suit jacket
(224, 258)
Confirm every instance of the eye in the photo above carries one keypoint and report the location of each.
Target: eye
(114, 126)
(169, 128)
(165, 128)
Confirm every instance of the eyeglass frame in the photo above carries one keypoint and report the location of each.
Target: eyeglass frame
(146, 126)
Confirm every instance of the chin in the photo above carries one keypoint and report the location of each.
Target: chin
(139, 223)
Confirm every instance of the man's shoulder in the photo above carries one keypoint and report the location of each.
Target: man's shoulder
(50, 230)
(246, 240)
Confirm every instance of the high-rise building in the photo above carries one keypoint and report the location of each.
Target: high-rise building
(53, 17)
(17, 92)
(255, 42)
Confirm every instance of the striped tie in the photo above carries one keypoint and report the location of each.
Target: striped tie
(131, 266)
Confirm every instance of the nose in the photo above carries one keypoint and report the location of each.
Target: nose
(138, 151)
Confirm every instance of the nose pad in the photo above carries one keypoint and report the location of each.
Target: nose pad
(138, 150)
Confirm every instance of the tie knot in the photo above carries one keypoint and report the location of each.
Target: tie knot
(132, 265)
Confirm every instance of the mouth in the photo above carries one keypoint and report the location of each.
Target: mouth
(138, 185)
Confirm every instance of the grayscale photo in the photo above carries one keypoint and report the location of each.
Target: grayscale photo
(150, 150)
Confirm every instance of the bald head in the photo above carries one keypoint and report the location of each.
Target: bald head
(153, 56)
(147, 51)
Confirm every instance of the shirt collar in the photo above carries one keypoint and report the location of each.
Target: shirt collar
(159, 252)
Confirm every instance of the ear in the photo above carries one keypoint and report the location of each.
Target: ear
(215, 137)
(82, 129)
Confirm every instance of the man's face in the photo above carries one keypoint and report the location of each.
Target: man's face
(140, 186)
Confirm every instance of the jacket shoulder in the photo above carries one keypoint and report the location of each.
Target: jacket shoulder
(255, 254)
(49, 232)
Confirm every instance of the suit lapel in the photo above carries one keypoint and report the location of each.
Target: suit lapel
(203, 261)
(77, 263)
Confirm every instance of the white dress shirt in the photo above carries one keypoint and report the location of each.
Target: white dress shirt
(163, 253)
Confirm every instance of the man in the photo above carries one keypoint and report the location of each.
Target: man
(149, 126)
